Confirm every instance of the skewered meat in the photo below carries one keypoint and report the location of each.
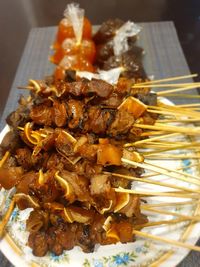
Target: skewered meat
(100, 184)
(71, 133)
(13, 176)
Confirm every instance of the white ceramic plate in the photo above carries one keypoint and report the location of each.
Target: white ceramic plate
(143, 252)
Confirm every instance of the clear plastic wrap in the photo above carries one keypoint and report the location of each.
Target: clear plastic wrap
(120, 40)
(75, 15)
(111, 76)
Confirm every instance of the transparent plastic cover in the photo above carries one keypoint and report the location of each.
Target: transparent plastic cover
(120, 41)
(75, 16)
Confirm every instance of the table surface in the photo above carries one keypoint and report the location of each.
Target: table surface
(164, 58)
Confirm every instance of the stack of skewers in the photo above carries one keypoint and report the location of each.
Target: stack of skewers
(77, 145)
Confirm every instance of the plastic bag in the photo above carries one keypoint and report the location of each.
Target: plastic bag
(120, 41)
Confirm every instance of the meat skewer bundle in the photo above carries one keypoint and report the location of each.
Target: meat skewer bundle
(64, 142)
(71, 152)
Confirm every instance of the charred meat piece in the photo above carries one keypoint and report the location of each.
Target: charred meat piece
(79, 184)
(124, 230)
(64, 144)
(75, 111)
(59, 113)
(24, 159)
(133, 207)
(26, 179)
(100, 87)
(11, 141)
(46, 192)
(10, 177)
(38, 242)
(122, 123)
(83, 238)
(108, 154)
(21, 115)
(85, 167)
(148, 99)
(107, 30)
(98, 120)
(37, 220)
(42, 115)
(113, 101)
(100, 184)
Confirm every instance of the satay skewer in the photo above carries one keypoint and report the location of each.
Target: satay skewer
(7, 217)
(169, 148)
(171, 173)
(173, 157)
(186, 88)
(183, 96)
(151, 139)
(178, 120)
(166, 240)
(162, 222)
(174, 111)
(170, 128)
(5, 157)
(168, 204)
(153, 133)
(165, 85)
(165, 212)
(153, 182)
(182, 77)
(176, 194)
(188, 105)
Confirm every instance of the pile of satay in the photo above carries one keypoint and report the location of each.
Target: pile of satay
(72, 152)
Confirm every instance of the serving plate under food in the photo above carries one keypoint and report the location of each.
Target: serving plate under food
(142, 252)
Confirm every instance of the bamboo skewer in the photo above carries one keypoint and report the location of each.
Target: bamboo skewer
(164, 106)
(177, 194)
(172, 157)
(167, 204)
(167, 240)
(177, 172)
(150, 133)
(175, 147)
(190, 87)
(164, 85)
(177, 120)
(161, 170)
(171, 79)
(28, 87)
(189, 105)
(158, 223)
(197, 178)
(184, 96)
(153, 182)
(7, 217)
(181, 168)
(174, 111)
(5, 157)
(151, 139)
(170, 128)
(187, 217)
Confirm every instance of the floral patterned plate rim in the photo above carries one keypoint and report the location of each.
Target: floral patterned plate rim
(142, 252)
